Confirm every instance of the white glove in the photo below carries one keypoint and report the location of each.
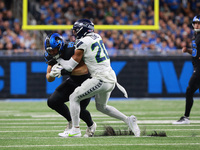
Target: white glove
(56, 71)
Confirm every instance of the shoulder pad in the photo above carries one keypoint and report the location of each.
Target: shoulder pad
(47, 57)
(78, 43)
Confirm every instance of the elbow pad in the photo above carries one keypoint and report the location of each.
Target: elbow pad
(68, 65)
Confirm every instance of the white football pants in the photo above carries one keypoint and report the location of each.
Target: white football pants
(101, 91)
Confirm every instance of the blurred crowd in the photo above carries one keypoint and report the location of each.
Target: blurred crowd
(12, 37)
(175, 18)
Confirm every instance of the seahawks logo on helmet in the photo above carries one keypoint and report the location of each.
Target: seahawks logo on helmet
(82, 27)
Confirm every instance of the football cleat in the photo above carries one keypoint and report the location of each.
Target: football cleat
(132, 123)
(182, 120)
(74, 132)
(65, 133)
(90, 130)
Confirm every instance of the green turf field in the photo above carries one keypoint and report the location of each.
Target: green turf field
(32, 125)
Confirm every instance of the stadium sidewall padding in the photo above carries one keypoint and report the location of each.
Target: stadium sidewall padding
(142, 76)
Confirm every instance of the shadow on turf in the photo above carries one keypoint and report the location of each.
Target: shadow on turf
(109, 131)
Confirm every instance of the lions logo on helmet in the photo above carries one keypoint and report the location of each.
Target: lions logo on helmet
(82, 27)
(53, 41)
(195, 20)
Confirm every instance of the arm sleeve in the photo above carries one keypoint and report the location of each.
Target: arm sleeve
(68, 65)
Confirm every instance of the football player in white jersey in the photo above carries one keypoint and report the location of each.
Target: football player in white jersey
(90, 48)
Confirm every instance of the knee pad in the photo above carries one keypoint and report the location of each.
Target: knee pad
(100, 107)
(50, 102)
(74, 96)
(55, 100)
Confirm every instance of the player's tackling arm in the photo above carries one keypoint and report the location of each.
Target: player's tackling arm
(69, 65)
(81, 69)
(78, 55)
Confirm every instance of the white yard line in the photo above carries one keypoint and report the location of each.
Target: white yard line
(95, 118)
(18, 138)
(6, 131)
(37, 126)
(8, 111)
(56, 119)
(43, 131)
(98, 115)
(106, 122)
(15, 123)
(152, 121)
(102, 115)
(102, 145)
(33, 119)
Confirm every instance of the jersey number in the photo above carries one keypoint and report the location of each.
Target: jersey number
(100, 56)
(194, 48)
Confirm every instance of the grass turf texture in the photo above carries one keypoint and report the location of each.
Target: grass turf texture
(32, 125)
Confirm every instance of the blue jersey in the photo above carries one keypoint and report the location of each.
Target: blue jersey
(196, 51)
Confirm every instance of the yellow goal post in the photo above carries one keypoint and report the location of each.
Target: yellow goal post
(25, 26)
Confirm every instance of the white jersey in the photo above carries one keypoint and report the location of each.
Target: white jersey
(96, 57)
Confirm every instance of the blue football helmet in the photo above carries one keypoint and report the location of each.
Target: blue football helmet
(53, 41)
(82, 27)
(196, 19)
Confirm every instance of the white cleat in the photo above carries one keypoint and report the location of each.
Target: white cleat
(74, 133)
(132, 123)
(90, 130)
(182, 120)
(66, 132)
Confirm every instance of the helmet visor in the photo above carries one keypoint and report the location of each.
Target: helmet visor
(53, 51)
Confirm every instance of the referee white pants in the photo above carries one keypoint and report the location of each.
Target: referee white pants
(101, 90)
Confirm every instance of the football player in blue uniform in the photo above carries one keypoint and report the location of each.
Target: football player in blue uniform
(194, 82)
(56, 48)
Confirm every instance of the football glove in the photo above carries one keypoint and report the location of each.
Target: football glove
(56, 71)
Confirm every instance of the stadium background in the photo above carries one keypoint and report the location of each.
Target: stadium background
(148, 63)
